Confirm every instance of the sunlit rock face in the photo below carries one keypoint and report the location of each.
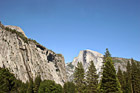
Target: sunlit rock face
(85, 57)
(28, 60)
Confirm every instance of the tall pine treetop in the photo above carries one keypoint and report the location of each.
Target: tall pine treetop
(109, 80)
(107, 53)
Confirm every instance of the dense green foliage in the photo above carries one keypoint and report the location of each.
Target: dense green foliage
(30, 87)
(79, 76)
(109, 80)
(86, 83)
(91, 79)
(135, 77)
(49, 86)
(9, 84)
(7, 81)
(69, 87)
(130, 79)
(37, 84)
(121, 79)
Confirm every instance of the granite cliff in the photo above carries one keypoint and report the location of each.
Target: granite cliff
(27, 59)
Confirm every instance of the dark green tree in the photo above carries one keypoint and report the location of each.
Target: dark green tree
(37, 84)
(135, 77)
(121, 79)
(79, 76)
(109, 80)
(7, 81)
(92, 79)
(48, 86)
(128, 78)
(69, 87)
(22, 87)
(107, 53)
(138, 73)
(30, 87)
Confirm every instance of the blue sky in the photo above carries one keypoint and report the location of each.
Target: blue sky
(68, 26)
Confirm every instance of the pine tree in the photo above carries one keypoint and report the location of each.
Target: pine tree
(79, 78)
(138, 67)
(7, 81)
(30, 87)
(134, 77)
(121, 79)
(92, 79)
(128, 78)
(109, 81)
(107, 53)
(49, 86)
(69, 87)
(37, 84)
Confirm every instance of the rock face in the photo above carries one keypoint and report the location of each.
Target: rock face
(28, 60)
(86, 56)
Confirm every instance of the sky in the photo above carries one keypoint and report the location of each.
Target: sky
(69, 26)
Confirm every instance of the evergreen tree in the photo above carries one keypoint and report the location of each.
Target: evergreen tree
(121, 79)
(30, 87)
(92, 79)
(109, 81)
(79, 78)
(7, 81)
(134, 77)
(9, 84)
(138, 73)
(107, 53)
(37, 84)
(69, 87)
(22, 87)
(128, 78)
(48, 86)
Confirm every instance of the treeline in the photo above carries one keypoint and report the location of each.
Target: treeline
(110, 81)
(9, 84)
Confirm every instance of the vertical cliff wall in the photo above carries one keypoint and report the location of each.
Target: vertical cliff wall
(30, 59)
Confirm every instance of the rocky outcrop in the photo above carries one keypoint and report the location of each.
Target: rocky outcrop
(17, 29)
(28, 60)
(85, 57)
